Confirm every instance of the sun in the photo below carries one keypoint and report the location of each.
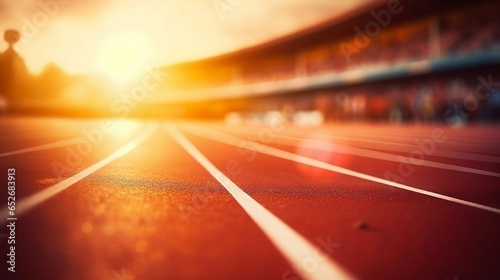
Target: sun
(125, 56)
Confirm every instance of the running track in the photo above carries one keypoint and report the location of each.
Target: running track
(205, 200)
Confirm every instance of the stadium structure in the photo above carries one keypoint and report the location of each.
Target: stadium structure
(399, 61)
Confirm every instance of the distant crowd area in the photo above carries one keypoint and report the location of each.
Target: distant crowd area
(454, 101)
(460, 97)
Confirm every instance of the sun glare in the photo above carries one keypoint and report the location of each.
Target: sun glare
(125, 56)
(123, 128)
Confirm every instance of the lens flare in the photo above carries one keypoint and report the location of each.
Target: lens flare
(322, 149)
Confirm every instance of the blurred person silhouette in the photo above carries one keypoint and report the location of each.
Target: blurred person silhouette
(13, 71)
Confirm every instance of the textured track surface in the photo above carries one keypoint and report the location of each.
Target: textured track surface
(160, 200)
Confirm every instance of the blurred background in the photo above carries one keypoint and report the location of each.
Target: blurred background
(337, 117)
(312, 62)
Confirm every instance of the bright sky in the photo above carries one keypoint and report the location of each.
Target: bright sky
(109, 36)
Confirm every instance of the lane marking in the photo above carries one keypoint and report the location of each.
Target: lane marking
(391, 146)
(295, 248)
(361, 152)
(413, 133)
(236, 141)
(34, 200)
(48, 146)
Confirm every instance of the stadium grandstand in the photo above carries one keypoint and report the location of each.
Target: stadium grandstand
(398, 61)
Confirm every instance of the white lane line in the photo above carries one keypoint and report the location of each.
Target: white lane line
(32, 201)
(236, 141)
(48, 146)
(361, 152)
(413, 133)
(389, 146)
(295, 248)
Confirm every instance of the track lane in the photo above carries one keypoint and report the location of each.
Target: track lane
(385, 144)
(280, 233)
(26, 204)
(402, 224)
(39, 168)
(364, 174)
(328, 145)
(157, 212)
(149, 214)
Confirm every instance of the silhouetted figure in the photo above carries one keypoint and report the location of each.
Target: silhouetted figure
(13, 71)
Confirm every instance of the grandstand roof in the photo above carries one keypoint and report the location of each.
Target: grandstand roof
(323, 32)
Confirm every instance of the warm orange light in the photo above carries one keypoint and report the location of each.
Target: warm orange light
(125, 56)
(324, 149)
(123, 128)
